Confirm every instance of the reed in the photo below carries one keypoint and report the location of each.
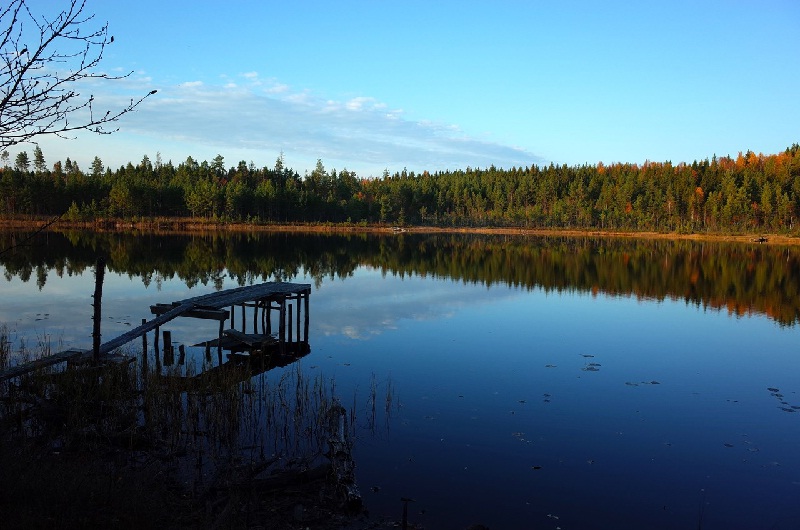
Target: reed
(172, 437)
(371, 411)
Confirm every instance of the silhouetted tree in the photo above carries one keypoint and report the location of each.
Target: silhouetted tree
(35, 97)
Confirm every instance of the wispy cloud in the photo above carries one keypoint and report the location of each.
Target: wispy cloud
(361, 133)
(364, 103)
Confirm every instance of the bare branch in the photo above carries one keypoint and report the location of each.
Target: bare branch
(43, 63)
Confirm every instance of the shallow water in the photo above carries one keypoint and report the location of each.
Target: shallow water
(519, 405)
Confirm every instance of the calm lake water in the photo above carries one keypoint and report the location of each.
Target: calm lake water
(534, 382)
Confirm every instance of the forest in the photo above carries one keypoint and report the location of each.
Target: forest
(750, 193)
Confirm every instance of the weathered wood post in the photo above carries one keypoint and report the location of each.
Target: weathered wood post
(282, 326)
(297, 303)
(99, 273)
(144, 351)
(219, 340)
(144, 343)
(405, 501)
(269, 316)
(291, 324)
(169, 356)
(305, 317)
(340, 453)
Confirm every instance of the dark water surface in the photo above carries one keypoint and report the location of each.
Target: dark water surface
(519, 382)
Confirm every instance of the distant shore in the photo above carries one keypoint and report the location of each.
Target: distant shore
(184, 226)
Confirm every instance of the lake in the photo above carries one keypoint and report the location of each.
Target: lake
(521, 382)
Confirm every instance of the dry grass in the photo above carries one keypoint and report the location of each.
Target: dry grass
(194, 226)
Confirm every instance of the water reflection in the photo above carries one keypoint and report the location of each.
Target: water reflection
(368, 308)
(738, 278)
(541, 382)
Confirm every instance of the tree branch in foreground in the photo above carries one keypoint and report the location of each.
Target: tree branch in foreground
(43, 62)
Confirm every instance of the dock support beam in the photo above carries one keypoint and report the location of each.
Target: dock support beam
(289, 309)
(282, 325)
(219, 340)
(169, 355)
(99, 274)
(144, 352)
(305, 324)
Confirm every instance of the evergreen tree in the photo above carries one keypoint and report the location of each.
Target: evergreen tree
(21, 162)
(97, 167)
(39, 165)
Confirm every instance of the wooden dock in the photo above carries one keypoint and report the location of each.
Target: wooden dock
(221, 305)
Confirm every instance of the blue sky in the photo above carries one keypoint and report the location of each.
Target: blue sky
(368, 85)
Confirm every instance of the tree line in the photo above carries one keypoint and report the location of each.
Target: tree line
(751, 192)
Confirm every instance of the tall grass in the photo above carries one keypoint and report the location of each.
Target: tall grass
(170, 437)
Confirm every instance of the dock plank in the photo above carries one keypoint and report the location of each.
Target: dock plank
(252, 340)
(202, 313)
(22, 369)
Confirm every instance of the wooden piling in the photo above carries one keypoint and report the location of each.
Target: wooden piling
(144, 342)
(144, 351)
(305, 316)
(219, 341)
(169, 355)
(297, 304)
(282, 325)
(290, 323)
(99, 274)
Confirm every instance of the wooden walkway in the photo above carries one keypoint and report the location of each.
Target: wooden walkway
(261, 295)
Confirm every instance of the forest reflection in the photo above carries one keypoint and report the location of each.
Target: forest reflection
(735, 277)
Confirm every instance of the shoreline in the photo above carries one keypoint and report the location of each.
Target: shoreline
(194, 226)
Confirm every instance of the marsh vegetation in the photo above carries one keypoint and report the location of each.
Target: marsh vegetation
(124, 445)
